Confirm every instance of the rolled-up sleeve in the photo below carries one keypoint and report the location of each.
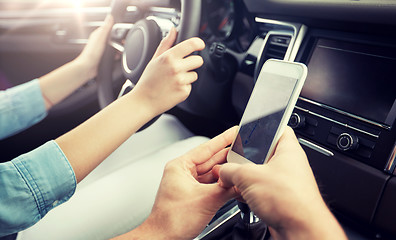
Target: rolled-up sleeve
(31, 185)
(21, 107)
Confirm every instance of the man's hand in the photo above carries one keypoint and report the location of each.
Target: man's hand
(284, 193)
(188, 196)
(167, 79)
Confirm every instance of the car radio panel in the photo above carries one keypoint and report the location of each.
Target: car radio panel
(348, 102)
(354, 78)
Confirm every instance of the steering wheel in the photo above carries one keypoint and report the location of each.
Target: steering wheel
(140, 43)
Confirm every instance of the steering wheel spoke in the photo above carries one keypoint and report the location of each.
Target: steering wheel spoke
(163, 23)
(117, 46)
(126, 87)
(120, 30)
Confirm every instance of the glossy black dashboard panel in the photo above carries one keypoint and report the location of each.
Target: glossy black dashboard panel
(349, 89)
(349, 102)
(378, 12)
(353, 77)
(228, 22)
(350, 96)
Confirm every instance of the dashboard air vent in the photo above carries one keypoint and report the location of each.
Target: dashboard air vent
(276, 47)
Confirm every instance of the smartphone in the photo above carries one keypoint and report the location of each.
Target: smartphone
(268, 111)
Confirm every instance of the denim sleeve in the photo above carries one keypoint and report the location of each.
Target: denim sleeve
(31, 185)
(21, 107)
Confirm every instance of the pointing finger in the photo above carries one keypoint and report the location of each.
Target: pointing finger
(166, 43)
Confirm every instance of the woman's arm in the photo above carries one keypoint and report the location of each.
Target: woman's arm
(60, 83)
(25, 105)
(165, 82)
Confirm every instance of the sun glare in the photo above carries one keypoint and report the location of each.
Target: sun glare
(76, 3)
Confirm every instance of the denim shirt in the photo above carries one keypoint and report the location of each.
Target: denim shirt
(33, 183)
(21, 107)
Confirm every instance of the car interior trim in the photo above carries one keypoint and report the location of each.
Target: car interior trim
(132, 9)
(219, 221)
(252, 217)
(123, 26)
(119, 32)
(346, 114)
(63, 33)
(164, 24)
(336, 122)
(94, 24)
(348, 10)
(52, 12)
(163, 10)
(124, 55)
(79, 41)
(315, 147)
(117, 46)
(275, 32)
(261, 58)
(297, 44)
(296, 34)
(390, 166)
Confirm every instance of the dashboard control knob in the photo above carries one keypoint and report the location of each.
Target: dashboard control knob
(297, 121)
(346, 141)
(217, 51)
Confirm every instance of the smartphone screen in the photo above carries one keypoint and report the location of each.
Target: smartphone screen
(263, 116)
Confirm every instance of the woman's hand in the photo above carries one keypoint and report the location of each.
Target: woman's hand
(92, 54)
(60, 83)
(167, 79)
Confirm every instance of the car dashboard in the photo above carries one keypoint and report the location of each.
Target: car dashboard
(345, 115)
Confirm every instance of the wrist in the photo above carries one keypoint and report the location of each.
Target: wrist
(149, 229)
(139, 105)
(146, 103)
(164, 227)
(317, 223)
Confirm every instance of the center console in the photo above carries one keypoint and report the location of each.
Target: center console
(348, 101)
(345, 119)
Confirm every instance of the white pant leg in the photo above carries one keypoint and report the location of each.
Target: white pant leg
(165, 131)
(113, 204)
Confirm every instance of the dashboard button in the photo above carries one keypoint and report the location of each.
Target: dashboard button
(346, 141)
(297, 121)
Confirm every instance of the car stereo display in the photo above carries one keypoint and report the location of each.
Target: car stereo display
(356, 78)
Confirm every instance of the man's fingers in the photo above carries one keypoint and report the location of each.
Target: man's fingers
(166, 43)
(227, 174)
(205, 151)
(207, 178)
(218, 158)
(288, 136)
(288, 143)
(223, 194)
